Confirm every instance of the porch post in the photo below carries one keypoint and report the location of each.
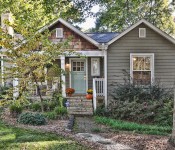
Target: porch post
(63, 78)
(105, 77)
(15, 88)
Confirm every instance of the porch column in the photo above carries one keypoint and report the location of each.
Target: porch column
(63, 78)
(15, 88)
(105, 77)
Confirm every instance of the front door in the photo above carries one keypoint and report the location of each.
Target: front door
(78, 75)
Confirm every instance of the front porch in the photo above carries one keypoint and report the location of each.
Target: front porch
(81, 73)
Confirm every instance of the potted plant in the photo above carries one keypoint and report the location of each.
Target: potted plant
(70, 91)
(89, 95)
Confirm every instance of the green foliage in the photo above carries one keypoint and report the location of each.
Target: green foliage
(60, 110)
(119, 15)
(51, 115)
(32, 119)
(101, 111)
(144, 104)
(36, 106)
(15, 109)
(135, 127)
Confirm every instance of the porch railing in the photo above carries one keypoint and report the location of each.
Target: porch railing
(98, 90)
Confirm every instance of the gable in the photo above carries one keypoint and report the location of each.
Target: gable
(149, 25)
(152, 39)
(76, 43)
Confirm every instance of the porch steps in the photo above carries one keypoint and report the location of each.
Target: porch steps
(79, 106)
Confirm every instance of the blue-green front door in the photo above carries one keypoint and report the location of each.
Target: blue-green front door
(78, 75)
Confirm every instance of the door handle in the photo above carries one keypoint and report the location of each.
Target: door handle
(84, 77)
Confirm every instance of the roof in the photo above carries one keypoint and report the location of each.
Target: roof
(163, 34)
(103, 37)
(72, 28)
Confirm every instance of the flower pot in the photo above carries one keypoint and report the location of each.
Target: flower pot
(69, 95)
(89, 96)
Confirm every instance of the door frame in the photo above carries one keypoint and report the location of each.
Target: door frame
(86, 71)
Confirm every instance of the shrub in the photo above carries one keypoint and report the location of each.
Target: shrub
(36, 106)
(32, 119)
(15, 110)
(51, 115)
(52, 104)
(144, 104)
(60, 110)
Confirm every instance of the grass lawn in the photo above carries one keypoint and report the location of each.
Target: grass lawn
(19, 139)
(135, 127)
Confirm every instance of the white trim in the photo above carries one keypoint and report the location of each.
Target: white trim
(63, 78)
(144, 32)
(142, 54)
(98, 66)
(106, 78)
(2, 70)
(88, 53)
(86, 74)
(165, 35)
(86, 71)
(72, 28)
(59, 33)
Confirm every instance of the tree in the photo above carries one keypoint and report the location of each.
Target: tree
(33, 53)
(119, 15)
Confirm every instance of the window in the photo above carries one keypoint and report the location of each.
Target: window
(59, 32)
(142, 68)
(78, 66)
(142, 32)
(95, 66)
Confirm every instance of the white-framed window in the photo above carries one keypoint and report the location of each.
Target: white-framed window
(142, 32)
(142, 68)
(95, 66)
(59, 32)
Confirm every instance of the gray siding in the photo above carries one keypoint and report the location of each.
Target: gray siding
(164, 55)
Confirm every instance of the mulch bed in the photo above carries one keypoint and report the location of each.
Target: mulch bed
(136, 141)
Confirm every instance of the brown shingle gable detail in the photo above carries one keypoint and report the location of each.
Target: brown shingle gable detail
(76, 43)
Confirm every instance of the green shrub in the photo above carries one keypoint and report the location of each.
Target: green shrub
(32, 119)
(15, 110)
(52, 104)
(51, 115)
(36, 106)
(60, 110)
(144, 104)
(101, 111)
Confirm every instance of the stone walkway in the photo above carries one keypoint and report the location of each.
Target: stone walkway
(86, 125)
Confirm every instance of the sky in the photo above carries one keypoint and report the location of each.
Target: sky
(90, 21)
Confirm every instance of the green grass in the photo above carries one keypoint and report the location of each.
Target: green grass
(17, 139)
(135, 127)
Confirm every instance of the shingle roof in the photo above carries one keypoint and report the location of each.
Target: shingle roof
(103, 37)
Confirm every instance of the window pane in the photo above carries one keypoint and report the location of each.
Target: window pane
(147, 63)
(78, 64)
(74, 64)
(138, 63)
(82, 64)
(142, 77)
(82, 68)
(74, 68)
(78, 68)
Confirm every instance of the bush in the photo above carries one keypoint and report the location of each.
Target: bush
(51, 115)
(36, 106)
(32, 119)
(60, 110)
(144, 104)
(15, 110)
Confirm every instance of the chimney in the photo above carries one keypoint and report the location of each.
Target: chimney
(7, 16)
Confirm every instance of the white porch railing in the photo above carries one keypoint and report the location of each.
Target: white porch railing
(98, 90)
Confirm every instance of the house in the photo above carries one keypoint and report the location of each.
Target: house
(143, 50)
